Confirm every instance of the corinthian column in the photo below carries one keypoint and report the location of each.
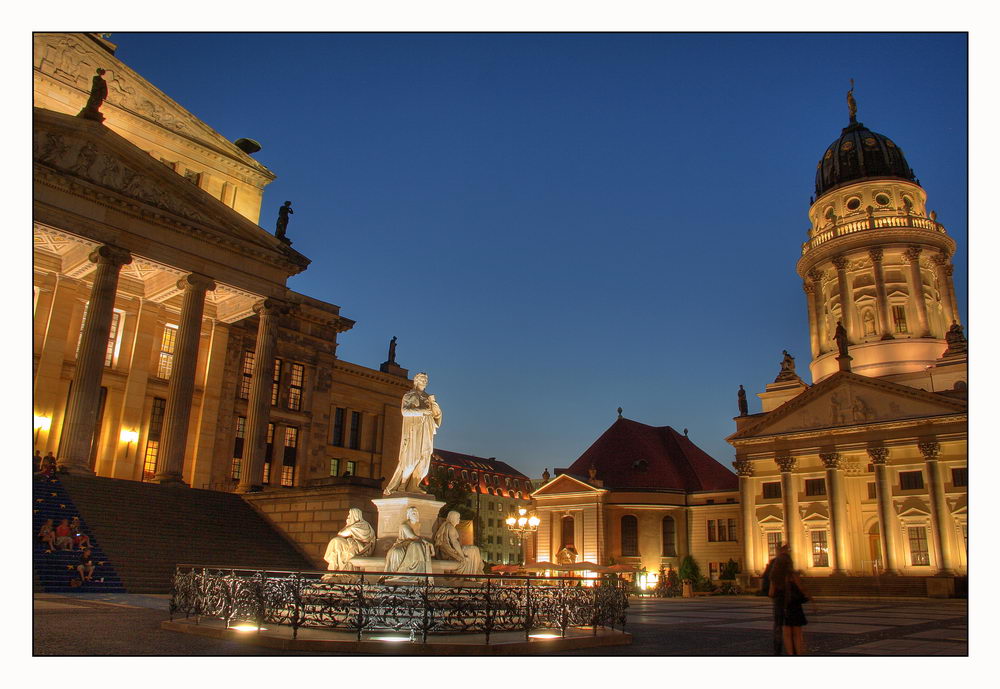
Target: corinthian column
(881, 297)
(846, 298)
(886, 517)
(838, 519)
(259, 402)
(917, 289)
(80, 423)
(950, 284)
(809, 289)
(790, 508)
(744, 468)
(177, 414)
(939, 507)
(943, 276)
(816, 295)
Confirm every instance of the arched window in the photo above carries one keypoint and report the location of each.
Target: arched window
(568, 532)
(630, 536)
(669, 537)
(451, 473)
(465, 475)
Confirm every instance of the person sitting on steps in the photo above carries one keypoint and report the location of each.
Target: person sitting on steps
(86, 566)
(80, 539)
(47, 535)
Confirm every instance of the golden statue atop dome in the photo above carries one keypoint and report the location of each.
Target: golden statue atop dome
(852, 105)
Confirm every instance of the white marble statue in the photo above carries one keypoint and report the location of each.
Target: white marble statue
(449, 547)
(357, 538)
(410, 554)
(421, 418)
(566, 556)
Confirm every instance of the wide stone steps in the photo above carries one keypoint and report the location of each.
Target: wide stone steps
(888, 586)
(147, 529)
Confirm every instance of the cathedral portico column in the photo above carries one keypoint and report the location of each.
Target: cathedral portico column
(814, 345)
(816, 294)
(950, 284)
(177, 414)
(846, 297)
(939, 508)
(744, 468)
(917, 289)
(833, 463)
(259, 399)
(80, 423)
(943, 275)
(790, 507)
(886, 517)
(881, 296)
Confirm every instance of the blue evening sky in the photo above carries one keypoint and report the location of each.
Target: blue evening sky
(558, 224)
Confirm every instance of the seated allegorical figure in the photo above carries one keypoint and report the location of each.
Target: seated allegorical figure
(566, 556)
(449, 546)
(410, 553)
(356, 539)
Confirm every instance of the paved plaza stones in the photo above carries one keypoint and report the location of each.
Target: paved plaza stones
(712, 626)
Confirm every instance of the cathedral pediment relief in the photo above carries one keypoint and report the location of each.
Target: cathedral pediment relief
(80, 149)
(564, 483)
(847, 399)
(959, 505)
(913, 506)
(770, 514)
(72, 59)
(815, 511)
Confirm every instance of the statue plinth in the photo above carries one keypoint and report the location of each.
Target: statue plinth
(394, 369)
(845, 362)
(392, 513)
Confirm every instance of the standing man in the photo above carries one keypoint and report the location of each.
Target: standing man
(777, 604)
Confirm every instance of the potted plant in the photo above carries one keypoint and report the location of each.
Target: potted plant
(689, 574)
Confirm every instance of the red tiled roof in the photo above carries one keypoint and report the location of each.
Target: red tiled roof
(672, 461)
(483, 466)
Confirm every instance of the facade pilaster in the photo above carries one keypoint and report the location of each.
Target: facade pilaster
(917, 290)
(177, 415)
(259, 400)
(881, 296)
(939, 507)
(790, 508)
(816, 294)
(51, 353)
(809, 288)
(126, 463)
(943, 277)
(833, 463)
(79, 425)
(846, 298)
(744, 468)
(887, 526)
(950, 284)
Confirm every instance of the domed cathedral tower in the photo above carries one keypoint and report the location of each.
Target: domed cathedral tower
(876, 260)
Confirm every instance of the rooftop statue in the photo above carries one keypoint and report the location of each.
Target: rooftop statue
(841, 337)
(98, 94)
(421, 419)
(449, 546)
(392, 351)
(787, 371)
(282, 225)
(852, 105)
(741, 398)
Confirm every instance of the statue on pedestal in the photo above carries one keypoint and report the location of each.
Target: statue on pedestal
(410, 553)
(741, 397)
(421, 419)
(449, 546)
(98, 94)
(840, 335)
(282, 224)
(357, 538)
(566, 556)
(392, 351)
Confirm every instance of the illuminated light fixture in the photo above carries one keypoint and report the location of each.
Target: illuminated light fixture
(129, 437)
(41, 423)
(544, 635)
(522, 524)
(248, 628)
(390, 638)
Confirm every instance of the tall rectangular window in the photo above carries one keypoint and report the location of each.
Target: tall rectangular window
(268, 452)
(713, 570)
(919, 555)
(722, 530)
(288, 463)
(334, 467)
(116, 319)
(246, 375)
(772, 489)
(711, 530)
(238, 443)
(732, 530)
(899, 318)
(275, 382)
(911, 480)
(338, 427)
(821, 557)
(872, 493)
(630, 536)
(295, 387)
(153, 438)
(960, 477)
(167, 344)
(355, 430)
(773, 543)
(352, 468)
(815, 486)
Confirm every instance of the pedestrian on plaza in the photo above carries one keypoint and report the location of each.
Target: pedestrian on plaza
(64, 541)
(86, 566)
(47, 535)
(786, 591)
(777, 609)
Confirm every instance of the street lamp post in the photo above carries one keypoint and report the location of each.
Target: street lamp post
(522, 524)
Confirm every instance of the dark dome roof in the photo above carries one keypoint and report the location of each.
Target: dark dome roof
(859, 153)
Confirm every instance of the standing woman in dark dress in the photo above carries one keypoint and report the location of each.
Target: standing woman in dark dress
(787, 586)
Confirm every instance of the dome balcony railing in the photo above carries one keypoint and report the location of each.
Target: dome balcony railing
(871, 223)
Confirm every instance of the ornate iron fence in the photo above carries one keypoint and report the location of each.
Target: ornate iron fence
(415, 605)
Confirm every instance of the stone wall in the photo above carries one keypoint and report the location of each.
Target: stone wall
(310, 517)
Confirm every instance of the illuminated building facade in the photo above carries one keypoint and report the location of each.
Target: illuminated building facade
(641, 495)
(496, 490)
(865, 470)
(167, 346)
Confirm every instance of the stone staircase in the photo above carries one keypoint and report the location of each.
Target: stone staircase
(146, 529)
(866, 587)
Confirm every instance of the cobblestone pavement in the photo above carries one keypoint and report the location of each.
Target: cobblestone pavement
(122, 624)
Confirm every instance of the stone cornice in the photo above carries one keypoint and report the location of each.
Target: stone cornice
(899, 237)
(371, 374)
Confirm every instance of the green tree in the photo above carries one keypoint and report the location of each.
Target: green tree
(730, 570)
(452, 492)
(689, 569)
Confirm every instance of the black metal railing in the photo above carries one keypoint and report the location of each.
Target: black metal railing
(417, 605)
